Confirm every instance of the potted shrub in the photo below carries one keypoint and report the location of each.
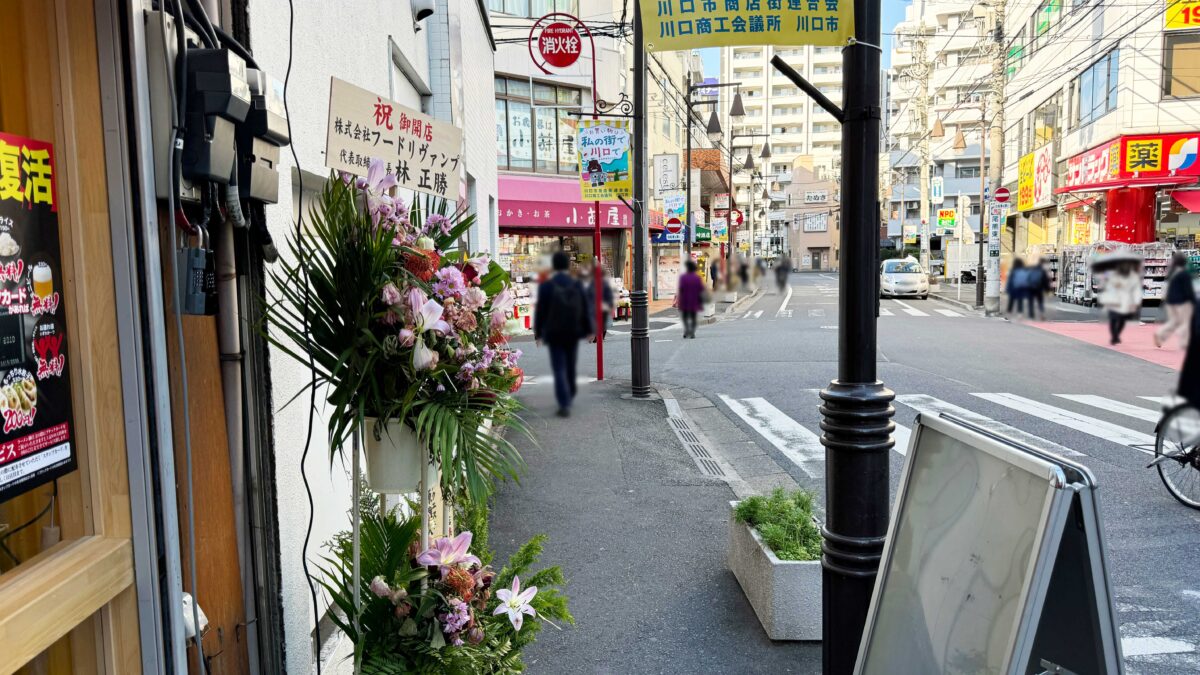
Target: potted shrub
(775, 553)
(404, 335)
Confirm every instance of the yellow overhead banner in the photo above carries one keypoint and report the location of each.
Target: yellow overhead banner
(675, 25)
(1182, 14)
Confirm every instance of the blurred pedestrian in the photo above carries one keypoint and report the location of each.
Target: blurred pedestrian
(783, 267)
(561, 320)
(1180, 301)
(606, 300)
(1189, 376)
(714, 272)
(689, 299)
(1122, 297)
(1037, 284)
(1017, 286)
(743, 271)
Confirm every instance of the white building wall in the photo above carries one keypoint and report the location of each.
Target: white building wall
(359, 51)
(474, 72)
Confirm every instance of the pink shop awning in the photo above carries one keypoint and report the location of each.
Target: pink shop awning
(544, 215)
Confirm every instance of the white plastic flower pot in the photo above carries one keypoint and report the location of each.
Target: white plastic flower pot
(394, 457)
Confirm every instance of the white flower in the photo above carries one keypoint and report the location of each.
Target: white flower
(424, 358)
(515, 603)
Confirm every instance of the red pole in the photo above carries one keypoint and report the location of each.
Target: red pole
(597, 281)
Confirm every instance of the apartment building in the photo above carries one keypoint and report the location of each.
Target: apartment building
(775, 107)
(1101, 131)
(936, 91)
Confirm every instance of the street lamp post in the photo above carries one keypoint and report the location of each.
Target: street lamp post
(713, 131)
(748, 166)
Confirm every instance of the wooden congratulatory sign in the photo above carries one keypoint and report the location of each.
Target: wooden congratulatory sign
(424, 154)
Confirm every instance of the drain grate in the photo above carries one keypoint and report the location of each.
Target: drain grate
(695, 447)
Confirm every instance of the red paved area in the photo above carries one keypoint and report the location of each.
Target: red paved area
(1136, 341)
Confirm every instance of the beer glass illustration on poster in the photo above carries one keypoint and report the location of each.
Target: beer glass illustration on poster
(36, 439)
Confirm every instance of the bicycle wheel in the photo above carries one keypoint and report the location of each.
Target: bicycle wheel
(1179, 439)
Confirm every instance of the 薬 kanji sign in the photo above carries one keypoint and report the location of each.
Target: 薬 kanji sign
(673, 25)
(423, 153)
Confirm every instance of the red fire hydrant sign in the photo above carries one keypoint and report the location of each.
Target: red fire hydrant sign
(560, 45)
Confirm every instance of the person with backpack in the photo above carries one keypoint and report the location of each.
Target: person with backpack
(1017, 287)
(560, 320)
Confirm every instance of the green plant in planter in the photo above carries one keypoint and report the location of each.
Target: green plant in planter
(785, 523)
(441, 610)
(398, 325)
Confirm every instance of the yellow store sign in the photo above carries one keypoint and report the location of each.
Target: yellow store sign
(1182, 14)
(673, 25)
(1025, 183)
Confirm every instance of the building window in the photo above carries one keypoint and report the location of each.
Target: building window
(1181, 65)
(967, 171)
(534, 128)
(533, 9)
(1045, 126)
(1095, 90)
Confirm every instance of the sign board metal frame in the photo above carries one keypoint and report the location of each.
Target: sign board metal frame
(1064, 614)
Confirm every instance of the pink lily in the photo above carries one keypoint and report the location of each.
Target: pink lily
(447, 553)
(481, 263)
(515, 603)
(429, 317)
(424, 358)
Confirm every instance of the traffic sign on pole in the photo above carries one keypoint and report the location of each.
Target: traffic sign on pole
(1002, 195)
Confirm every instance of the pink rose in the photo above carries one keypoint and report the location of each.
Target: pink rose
(406, 337)
(391, 295)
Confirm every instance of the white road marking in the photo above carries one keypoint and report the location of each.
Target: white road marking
(662, 340)
(797, 443)
(909, 309)
(1114, 406)
(786, 299)
(784, 313)
(816, 312)
(1165, 401)
(1088, 425)
(549, 379)
(1145, 646)
(758, 314)
(884, 311)
(929, 405)
(748, 314)
(948, 312)
(1063, 307)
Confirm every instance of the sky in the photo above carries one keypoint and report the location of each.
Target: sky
(893, 13)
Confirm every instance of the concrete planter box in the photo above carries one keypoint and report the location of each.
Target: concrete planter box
(785, 594)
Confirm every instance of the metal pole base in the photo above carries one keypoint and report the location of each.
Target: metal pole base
(857, 426)
(640, 343)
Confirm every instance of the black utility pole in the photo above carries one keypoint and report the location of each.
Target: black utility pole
(856, 415)
(640, 338)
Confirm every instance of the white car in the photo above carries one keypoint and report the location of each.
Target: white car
(903, 278)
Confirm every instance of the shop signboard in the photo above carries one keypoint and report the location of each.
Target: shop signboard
(674, 203)
(721, 202)
(681, 25)
(37, 442)
(604, 160)
(559, 45)
(423, 153)
(1081, 228)
(1182, 15)
(937, 190)
(910, 234)
(550, 215)
(996, 214)
(816, 196)
(1035, 179)
(946, 220)
(666, 174)
(816, 222)
(708, 88)
(720, 231)
(1098, 165)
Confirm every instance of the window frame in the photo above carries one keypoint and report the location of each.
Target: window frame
(1168, 36)
(1103, 67)
(564, 98)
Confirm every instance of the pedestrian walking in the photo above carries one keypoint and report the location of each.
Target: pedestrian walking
(1189, 376)
(714, 272)
(1017, 286)
(561, 320)
(783, 268)
(744, 272)
(1180, 301)
(689, 299)
(1037, 285)
(606, 300)
(1122, 297)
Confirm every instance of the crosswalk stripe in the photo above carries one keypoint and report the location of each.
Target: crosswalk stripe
(926, 404)
(884, 311)
(786, 299)
(1088, 425)
(909, 309)
(1114, 406)
(797, 443)
(816, 312)
(1165, 401)
(948, 312)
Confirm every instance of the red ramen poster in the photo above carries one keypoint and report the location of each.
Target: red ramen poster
(36, 431)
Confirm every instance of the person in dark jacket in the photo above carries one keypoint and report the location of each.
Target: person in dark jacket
(1017, 287)
(561, 319)
(1037, 285)
(689, 299)
(714, 273)
(1189, 376)
(1180, 301)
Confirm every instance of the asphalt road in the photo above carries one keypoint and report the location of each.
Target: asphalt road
(764, 366)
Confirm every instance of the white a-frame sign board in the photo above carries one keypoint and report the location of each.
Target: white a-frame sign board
(994, 563)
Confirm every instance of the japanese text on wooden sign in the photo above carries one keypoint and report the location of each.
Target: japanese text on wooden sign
(423, 153)
(673, 25)
(604, 160)
(37, 441)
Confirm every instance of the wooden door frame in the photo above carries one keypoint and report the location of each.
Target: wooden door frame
(84, 586)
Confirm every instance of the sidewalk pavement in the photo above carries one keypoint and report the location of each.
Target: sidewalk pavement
(640, 532)
(1136, 341)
